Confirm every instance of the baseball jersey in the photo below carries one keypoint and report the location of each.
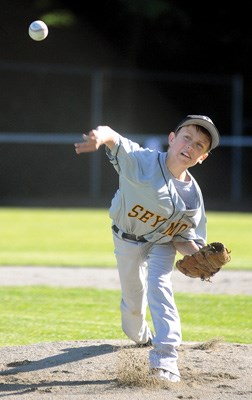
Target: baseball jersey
(147, 202)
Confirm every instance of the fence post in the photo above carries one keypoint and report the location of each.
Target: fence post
(237, 129)
(96, 118)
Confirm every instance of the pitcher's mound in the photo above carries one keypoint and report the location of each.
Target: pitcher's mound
(118, 370)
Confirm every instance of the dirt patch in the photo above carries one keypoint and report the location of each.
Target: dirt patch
(114, 369)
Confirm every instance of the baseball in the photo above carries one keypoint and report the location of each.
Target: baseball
(38, 30)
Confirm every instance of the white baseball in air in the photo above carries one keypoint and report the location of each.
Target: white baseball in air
(38, 30)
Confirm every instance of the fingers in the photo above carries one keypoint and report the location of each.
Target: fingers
(89, 143)
(77, 148)
(85, 137)
(81, 148)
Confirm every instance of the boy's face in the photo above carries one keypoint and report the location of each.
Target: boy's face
(189, 146)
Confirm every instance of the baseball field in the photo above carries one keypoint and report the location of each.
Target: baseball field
(60, 342)
(82, 238)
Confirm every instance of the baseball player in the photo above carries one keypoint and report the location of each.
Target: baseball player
(157, 210)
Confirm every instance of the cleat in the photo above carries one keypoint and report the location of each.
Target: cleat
(165, 375)
(147, 344)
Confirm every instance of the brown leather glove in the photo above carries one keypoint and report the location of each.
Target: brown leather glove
(206, 262)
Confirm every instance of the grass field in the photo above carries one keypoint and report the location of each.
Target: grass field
(44, 314)
(82, 237)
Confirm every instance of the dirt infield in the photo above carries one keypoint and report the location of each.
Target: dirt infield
(225, 282)
(117, 369)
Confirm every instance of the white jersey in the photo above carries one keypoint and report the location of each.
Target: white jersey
(147, 202)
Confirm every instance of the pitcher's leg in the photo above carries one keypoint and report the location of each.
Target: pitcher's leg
(163, 309)
(132, 270)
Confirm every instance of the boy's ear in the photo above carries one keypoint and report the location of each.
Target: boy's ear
(202, 158)
(171, 138)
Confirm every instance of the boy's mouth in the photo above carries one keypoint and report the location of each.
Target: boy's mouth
(185, 154)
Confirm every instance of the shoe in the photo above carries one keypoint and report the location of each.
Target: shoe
(147, 344)
(165, 375)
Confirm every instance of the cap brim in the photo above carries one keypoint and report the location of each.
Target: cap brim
(206, 123)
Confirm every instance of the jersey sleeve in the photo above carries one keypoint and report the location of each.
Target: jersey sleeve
(130, 159)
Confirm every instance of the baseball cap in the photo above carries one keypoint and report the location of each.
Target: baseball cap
(204, 121)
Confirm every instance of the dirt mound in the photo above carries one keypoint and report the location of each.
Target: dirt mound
(114, 369)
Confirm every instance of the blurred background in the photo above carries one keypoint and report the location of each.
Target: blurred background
(139, 66)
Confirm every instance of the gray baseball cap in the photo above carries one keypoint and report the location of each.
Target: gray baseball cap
(204, 121)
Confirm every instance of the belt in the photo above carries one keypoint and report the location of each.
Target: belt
(129, 236)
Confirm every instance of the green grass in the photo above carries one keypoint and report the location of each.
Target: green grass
(204, 317)
(42, 314)
(82, 237)
(52, 237)
(233, 229)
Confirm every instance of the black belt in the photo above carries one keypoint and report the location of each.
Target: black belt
(129, 236)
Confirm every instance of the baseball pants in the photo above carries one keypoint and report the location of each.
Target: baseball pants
(145, 271)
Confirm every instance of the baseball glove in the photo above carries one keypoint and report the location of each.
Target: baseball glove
(206, 262)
